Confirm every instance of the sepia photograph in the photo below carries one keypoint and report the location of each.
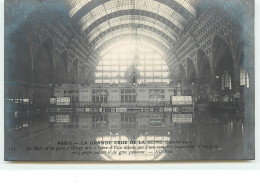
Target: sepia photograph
(129, 80)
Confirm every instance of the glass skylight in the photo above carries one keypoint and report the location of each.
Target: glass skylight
(76, 5)
(118, 58)
(129, 41)
(146, 5)
(129, 19)
(139, 31)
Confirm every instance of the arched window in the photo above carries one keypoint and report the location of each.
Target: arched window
(226, 81)
(244, 78)
(117, 60)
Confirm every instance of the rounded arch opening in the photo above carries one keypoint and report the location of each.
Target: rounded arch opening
(204, 76)
(82, 75)
(191, 76)
(204, 68)
(61, 69)
(73, 72)
(43, 73)
(182, 78)
(43, 63)
(223, 62)
(17, 65)
(191, 72)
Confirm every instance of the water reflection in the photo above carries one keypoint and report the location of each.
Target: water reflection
(130, 136)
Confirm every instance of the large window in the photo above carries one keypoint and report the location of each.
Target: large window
(128, 96)
(226, 81)
(99, 96)
(244, 78)
(117, 60)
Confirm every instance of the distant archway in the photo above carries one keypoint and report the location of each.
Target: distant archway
(191, 72)
(82, 75)
(204, 75)
(43, 63)
(191, 76)
(43, 73)
(61, 69)
(73, 72)
(223, 62)
(182, 77)
(204, 69)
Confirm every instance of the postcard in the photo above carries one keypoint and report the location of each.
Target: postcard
(129, 80)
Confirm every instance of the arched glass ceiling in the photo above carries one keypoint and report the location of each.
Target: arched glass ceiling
(161, 49)
(145, 14)
(134, 19)
(166, 19)
(138, 31)
(122, 27)
(146, 5)
(181, 5)
(129, 41)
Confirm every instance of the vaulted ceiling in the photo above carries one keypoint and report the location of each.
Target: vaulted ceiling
(162, 22)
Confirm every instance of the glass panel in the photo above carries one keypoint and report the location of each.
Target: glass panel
(98, 74)
(157, 67)
(157, 80)
(106, 74)
(99, 68)
(242, 76)
(187, 6)
(106, 68)
(114, 81)
(76, 5)
(148, 72)
(149, 80)
(127, 40)
(164, 68)
(157, 74)
(149, 68)
(114, 74)
(165, 74)
(123, 68)
(98, 80)
(132, 20)
(129, 31)
(166, 80)
(226, 81)
(140, 68)
(106, 80)
(148, 5)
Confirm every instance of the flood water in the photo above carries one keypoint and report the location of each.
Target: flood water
(130, 136)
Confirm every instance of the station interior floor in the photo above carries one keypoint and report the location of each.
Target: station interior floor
(212, 135)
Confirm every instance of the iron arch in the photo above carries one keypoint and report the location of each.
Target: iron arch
(132, 12)
(164, 37)
(175, 5)
(162, 49)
